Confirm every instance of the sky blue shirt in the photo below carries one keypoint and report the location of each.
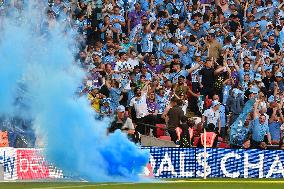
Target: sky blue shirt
(174, 76)
(259, 130)
(274, 129)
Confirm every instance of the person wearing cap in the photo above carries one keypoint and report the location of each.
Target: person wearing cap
(121, 122)
(260, 84)
(212, 115)
(252, 92)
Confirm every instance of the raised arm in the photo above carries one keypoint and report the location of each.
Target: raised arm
(255, 110)
(193, 68)
(107, 83)
(219, 70)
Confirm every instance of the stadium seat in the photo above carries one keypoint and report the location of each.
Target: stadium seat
(165, 138)
(195, 141)
(160, 130)
(223, 145)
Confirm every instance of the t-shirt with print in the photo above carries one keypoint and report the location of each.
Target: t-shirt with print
(212, 116)
(140, 106)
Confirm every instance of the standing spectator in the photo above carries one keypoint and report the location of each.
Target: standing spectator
(259, 128)
(234, 105)
(208, 78)
(174, 116)
(214, 47)
(134, 17)
(139, 105)
(114, 92)
(275, 122)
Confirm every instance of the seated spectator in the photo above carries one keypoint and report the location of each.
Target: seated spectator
(212, 116)
(123, 123)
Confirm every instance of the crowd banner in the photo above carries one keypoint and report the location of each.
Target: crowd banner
(221, 163)
(26, 164)
(8, 163)
(29, 164)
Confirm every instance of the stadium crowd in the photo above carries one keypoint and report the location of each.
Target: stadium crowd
(162, 62)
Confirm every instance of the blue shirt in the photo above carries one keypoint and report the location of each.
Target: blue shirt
(117, 25)
(115, 97)
(222, 115)
(243, 72)
(274, 129)
(259, 130)
(174, 76)
(162, 103)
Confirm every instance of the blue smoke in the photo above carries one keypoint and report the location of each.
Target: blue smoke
(74, 140)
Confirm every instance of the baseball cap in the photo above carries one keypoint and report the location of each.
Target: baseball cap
(175, 16)
(215, 103)
(268, 69)
(254, 90)
(278, 74)
(212, 31)
(197, 54)
(106, 100)
(120, 108)
(258, 77)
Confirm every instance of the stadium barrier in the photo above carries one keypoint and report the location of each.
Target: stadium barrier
(29, 164)
(220, 163)
(26, 164)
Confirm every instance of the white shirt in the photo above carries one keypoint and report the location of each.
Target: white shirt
(184, 106)
(133, 62)
(211, 116)
(119, 66)
(140, 106)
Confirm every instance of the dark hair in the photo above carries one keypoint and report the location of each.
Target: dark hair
(115, 7)
(142, 76)
(179, 102)
(173, 99)
(210, 127)
(246, 63)
(121, 54)
(136, 89)
(192, 38)
(183, 119)
(181, 76)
